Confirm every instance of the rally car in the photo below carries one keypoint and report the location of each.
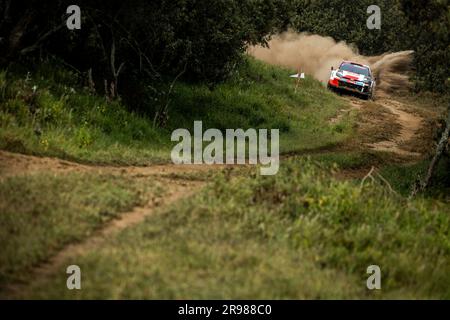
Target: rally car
(354, 77)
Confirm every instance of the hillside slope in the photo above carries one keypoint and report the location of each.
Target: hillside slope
(308, 232)
(62, 119)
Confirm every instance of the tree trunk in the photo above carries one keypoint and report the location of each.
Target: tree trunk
(442, 147)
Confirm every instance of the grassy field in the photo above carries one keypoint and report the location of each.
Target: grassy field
(308, 232)
(39, 214)
(299, 234)
(63, 120)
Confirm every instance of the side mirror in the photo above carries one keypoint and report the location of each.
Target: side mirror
(332, 68)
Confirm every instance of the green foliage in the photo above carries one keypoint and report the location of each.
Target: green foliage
(403, 177)
(45, 115)
(346, 21)
(430, 21)
(203, 37)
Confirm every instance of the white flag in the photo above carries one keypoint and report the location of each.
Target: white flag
(298, 75)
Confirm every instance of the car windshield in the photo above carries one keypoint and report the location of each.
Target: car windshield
(355, 69)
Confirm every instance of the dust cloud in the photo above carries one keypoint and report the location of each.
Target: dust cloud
(315, 55)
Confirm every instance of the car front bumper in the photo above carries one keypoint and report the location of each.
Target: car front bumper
(353, 86)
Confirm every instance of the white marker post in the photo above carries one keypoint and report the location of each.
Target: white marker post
(298, 76)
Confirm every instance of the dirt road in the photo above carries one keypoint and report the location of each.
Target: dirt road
(391, 126)
(409, 123)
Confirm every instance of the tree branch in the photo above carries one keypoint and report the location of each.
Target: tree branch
(41, 39)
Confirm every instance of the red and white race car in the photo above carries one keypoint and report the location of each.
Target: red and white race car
(354, 77)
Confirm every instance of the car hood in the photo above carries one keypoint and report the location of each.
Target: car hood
(354, 76)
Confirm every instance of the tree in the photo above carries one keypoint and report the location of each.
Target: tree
(346, 21)
(430, 20)
(163, 37)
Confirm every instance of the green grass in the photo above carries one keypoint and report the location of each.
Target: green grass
(41, 213)
(62, 119)
(402, 178)
(299, 234)
(263, 96)
(350, 159)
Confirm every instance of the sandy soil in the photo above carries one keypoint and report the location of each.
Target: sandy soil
(410, 125)
(12, 164)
